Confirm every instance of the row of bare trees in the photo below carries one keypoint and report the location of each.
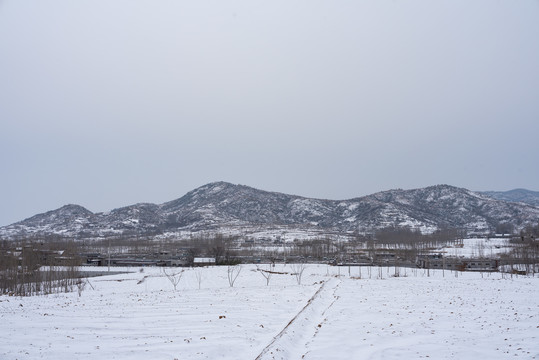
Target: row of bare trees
(233, 272)
(524, 256)
(405, 243)
(35, 268)
(28, 268)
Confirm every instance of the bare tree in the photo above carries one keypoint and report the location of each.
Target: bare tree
(233, 273)
(198, 275)
(191, 254)
(174, 278)
(265, 273)
(32, 268)
(81, 284)
(217, 247)
(298, 271)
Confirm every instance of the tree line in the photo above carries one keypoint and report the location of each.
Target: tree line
(28, 268)
(52, 265)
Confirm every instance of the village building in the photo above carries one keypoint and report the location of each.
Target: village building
(203, 261)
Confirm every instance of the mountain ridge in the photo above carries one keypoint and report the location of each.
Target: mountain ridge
(220, 206)
(516, 195)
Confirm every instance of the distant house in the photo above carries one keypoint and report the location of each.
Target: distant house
(478, 264)
(385, 257)
(93, 259)
(438, 261)
(203, 261)
(176, 262)
(430, 261)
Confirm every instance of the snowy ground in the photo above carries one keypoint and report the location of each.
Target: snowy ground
(478, 247)
(140, 316)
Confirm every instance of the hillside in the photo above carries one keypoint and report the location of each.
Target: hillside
(238, 209)
(516, 195)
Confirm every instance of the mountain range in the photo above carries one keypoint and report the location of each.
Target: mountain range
(516, 195)
(242, 210)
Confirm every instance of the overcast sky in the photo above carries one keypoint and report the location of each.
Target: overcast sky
(107, 103)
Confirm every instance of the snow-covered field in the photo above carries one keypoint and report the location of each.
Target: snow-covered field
(479, 247)
(138, 315)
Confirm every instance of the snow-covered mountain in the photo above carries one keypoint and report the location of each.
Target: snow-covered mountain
(220, 205)
(516, 195)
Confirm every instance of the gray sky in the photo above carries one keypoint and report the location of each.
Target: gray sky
(109, 103)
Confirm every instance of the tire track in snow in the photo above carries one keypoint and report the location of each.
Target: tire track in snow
(291, 342)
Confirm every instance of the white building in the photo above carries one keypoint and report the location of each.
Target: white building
(203, 261)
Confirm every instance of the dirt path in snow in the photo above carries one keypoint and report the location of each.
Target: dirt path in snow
(292, 341)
